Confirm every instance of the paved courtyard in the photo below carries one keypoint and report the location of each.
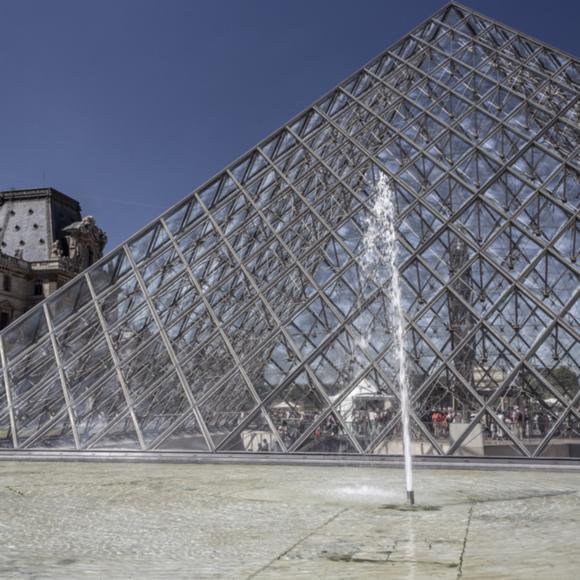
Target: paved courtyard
(73, 520)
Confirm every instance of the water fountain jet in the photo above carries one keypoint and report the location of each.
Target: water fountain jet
(380, 255)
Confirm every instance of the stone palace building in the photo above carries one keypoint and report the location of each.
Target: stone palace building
(44, 242)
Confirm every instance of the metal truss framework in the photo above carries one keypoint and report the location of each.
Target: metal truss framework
(239, 320)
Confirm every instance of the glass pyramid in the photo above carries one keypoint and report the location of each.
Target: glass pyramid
(239, 321)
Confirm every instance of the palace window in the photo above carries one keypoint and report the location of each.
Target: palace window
(4, 319)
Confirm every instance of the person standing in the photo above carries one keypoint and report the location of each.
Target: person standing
(500, 430)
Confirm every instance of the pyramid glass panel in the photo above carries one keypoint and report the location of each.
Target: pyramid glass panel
(243, 320)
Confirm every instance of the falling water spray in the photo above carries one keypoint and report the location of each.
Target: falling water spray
(380, 251)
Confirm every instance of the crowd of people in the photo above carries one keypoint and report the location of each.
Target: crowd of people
(291, 423)
(367, 423)
(515, 419)
(522, 423)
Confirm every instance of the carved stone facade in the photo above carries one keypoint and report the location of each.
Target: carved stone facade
(85, 242)
(44, 242)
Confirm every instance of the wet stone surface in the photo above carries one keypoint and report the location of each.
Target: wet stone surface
(207, 521)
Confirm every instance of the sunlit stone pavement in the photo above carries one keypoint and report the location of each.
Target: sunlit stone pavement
(71, 520)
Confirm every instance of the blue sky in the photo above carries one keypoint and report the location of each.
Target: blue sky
(128, 105)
